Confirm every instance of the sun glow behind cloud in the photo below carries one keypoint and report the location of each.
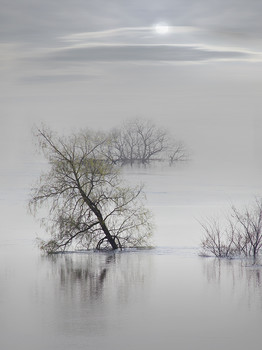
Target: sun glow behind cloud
(161, 28)
(200, 42)
(127, 34)
(161, 42)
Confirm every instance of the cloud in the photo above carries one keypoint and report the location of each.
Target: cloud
(127, 33)
(139, 45)
(181, 43)
(145, 53)
(43, 21)
(56, 78)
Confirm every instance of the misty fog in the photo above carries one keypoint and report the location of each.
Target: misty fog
(76, 65)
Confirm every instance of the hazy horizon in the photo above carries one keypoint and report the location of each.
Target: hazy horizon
(82, 64)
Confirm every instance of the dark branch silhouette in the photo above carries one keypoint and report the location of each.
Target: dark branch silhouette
(89, 205)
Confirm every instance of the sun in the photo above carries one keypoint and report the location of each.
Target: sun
(161, 28)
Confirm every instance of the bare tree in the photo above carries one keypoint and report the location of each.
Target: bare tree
(141, 141)
(216, 241)
(249, 228)
(240, 235)
(124, 146)
(152, 141)
(88, 204)
(176, 152)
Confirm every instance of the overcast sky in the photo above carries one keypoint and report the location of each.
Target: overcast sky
(81, 63)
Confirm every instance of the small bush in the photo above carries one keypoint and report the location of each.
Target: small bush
(240, 235)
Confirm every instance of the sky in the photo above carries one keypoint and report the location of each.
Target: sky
(73, 63)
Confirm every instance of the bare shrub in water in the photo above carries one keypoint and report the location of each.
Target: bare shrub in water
(240, 235)
(140, 141)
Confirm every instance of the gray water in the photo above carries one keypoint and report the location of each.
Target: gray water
(168, 297)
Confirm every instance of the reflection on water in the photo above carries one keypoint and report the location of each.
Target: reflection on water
(241, 277)
(96, 277)
(159, 299)
(167, 298)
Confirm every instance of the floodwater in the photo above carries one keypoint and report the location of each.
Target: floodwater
(168, 297)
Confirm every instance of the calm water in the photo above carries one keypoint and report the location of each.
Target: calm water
(167, 298)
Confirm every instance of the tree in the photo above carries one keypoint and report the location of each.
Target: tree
(241, 233)
(176, 152)
(140, 141)
(217, 240)
(248, 229)
(88, 204)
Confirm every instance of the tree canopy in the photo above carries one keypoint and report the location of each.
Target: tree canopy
(88, 203)
(140, 141)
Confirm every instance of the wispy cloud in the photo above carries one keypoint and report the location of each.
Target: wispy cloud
(149, 53)
(56, 78)
(180, 44)
(127, 33)
(139, 45)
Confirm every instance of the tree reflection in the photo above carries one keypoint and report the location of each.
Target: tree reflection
(90, 276)
(86, 292)
(239, 277)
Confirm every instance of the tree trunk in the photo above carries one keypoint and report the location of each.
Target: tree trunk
(108, 235)
(99, 216)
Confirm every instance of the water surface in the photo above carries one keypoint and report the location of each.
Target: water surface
(166, 297)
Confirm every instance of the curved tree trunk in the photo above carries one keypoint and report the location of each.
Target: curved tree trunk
(108, 234)
(99, 216)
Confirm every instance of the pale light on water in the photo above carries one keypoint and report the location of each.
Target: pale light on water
(164, 297)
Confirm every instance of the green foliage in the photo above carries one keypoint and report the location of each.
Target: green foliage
(87, 199)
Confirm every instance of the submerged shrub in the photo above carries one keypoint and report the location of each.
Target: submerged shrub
(240, 235)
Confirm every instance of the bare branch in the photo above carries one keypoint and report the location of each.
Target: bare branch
(85, 195)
